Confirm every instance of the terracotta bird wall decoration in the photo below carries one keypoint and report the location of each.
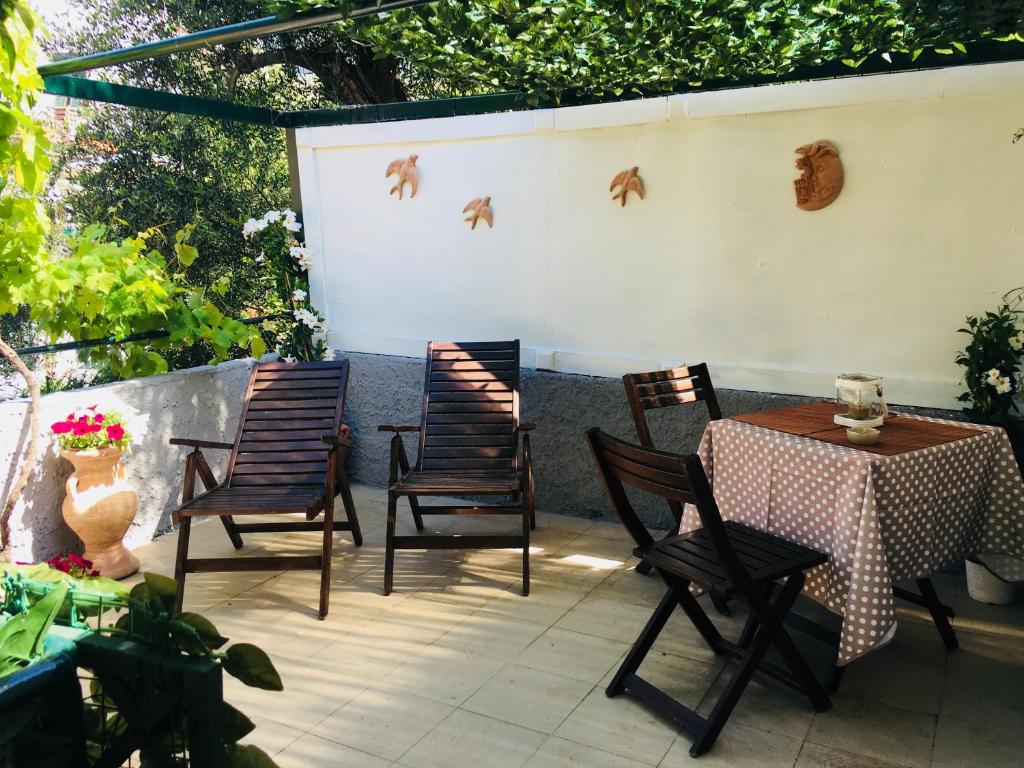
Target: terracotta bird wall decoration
(627, 181)
(407, 174)
(479, 208)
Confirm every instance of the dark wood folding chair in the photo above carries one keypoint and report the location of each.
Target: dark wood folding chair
(468, 446)
(720, 557)
(288, 457)
(662, 389)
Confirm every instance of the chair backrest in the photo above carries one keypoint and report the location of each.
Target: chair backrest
(675, 478)
(470, 407)
(659, 389)
(288, 408)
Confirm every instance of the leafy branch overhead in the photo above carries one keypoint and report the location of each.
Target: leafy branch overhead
(548, 48)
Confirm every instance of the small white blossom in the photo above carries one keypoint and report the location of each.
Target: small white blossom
(303, 256)
(289, 358)
(307, 318)
(328, 354)
(1017, 342)
(251, 227)
(993, 375)
(261, 258)
(298, 295)
(1002, 386)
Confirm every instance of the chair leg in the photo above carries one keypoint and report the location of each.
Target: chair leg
(835, 678)
(232, 530)
(184, 529)
(731, 695)
(389, 552)
(350, 507)
(526, 551)
(939, 612)
(646, 639)
(701, 621)
(325, 559)
(403, 464)
(771, 621)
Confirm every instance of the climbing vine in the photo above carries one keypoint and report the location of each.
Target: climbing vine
(547, 48)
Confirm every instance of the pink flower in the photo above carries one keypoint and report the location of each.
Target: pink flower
(115, 432)
(93, 428)
(98, 418)
(60, 427)
(78, 428)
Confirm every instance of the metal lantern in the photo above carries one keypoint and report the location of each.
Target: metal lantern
(859, 400)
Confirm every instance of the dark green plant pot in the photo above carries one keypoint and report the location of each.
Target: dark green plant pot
(1015, 431)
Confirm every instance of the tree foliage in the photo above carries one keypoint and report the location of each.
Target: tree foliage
(611, 47)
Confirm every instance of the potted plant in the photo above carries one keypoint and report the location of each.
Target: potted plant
(991, 362)
(100, 504)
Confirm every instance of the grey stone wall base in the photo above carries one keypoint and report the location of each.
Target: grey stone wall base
(205, 403)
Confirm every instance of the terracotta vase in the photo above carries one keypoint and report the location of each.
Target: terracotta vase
(99, 507)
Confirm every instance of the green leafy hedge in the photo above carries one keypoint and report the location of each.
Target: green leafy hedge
(607, 47)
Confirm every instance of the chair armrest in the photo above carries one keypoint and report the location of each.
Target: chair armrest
(527, 426)
(398, 428)
(187, 441)
(337, 441)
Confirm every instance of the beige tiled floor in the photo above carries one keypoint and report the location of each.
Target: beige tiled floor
(457, 668)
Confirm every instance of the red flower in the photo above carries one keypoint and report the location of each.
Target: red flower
(98, 418)
(93, 428)
(78, 428)
(60, 427)
(115, 432)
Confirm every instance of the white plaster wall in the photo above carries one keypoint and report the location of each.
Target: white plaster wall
(203, 403)
(717, 263)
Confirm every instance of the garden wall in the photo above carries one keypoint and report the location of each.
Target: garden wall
(205, 403)
(717, 263)
(200, 402)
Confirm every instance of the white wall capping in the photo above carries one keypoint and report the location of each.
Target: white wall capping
(677, 106)
(611, 114)
(544, 120)
(951, 82)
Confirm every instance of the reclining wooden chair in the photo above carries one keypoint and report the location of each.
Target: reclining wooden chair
(723, 557)
(288, 456)
(662, 389)
(468, 445)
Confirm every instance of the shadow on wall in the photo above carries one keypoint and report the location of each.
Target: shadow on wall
(385, 389)
(201, 402)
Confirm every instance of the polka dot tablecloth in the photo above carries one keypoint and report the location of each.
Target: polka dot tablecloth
(881, 519)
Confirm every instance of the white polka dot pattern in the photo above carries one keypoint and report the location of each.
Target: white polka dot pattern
(881, 519)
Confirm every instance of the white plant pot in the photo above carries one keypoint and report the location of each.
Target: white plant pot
(985, 587)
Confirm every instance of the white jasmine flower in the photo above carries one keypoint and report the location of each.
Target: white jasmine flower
(993, 375)
(303, 256)
(1016, 342)
(307, 318)
(1002, 386)
(298, 295)
(261, 258)
(328, 354)
(251, 227)
(290, 222)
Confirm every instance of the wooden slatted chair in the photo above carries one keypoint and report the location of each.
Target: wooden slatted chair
(724, 557)
(468, 445)
(288, 457)
(662, 389)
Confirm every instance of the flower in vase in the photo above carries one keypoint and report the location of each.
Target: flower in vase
(1003, 386)
(993, 375)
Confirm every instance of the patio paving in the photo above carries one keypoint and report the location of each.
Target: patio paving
(456, 667)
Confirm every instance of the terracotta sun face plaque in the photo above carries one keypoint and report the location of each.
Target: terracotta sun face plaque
(406, 170)
(627, 181)
(821, 175)
(479, 208)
